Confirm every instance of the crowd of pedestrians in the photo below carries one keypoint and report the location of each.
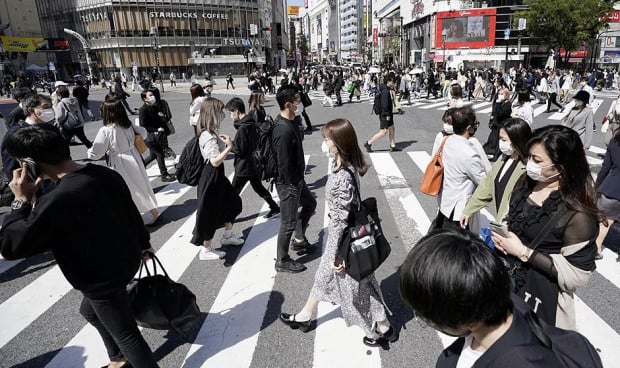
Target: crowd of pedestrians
(539, 191)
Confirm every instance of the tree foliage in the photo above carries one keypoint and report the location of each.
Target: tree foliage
(564, 24)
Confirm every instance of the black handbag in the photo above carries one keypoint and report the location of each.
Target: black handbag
(363, 247)
(305, 99)
(160, 303)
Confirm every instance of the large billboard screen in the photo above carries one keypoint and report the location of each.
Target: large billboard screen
(465, 28)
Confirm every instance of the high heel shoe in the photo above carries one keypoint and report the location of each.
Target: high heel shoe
(389, 336)
(289, 319)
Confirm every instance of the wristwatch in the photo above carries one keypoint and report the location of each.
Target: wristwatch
(526, 254)
(17, 204)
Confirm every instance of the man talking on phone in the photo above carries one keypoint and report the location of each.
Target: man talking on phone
(91, 225)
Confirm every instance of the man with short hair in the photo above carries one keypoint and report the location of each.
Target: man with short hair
(17, 114)
(38, 110)
(244, 144)
(290, 184)
(386, 116)
(98, 247)
(491, 330)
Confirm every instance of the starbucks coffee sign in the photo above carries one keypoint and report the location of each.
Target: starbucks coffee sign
(187, 15)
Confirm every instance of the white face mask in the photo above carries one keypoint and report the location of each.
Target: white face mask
(505, 148)
(534, 171)
(47, 115)
(325, 147)
(448, 128)
(151, 99)
(299, 109)
(579, 103)
(500, 98)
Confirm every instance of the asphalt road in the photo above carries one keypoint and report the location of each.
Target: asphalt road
(241, 296)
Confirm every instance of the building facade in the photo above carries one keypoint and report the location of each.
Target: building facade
(192, 36)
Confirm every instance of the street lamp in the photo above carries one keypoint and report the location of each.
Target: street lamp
(85, 46)
(155, 44)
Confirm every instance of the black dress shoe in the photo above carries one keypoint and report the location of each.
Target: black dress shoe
(395, 149)
(389, 336)
(300, 245)
(168, 178)
(289, 320)
(290, 266)
(368, 146)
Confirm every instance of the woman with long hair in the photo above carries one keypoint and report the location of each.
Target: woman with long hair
(218, 202)
(116, 139)
(552, 225)
(361, 302)
(198, 95)
(255, 106)
(497, 187)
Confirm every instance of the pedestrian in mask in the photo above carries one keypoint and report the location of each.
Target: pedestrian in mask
(581, 118)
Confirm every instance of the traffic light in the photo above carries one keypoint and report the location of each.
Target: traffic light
(268, 28)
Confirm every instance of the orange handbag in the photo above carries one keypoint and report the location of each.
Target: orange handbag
(433, 176)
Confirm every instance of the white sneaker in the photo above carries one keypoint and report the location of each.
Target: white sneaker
(231, 240)
(207, 254)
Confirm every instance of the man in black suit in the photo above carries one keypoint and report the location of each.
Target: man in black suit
(338, 87)
(18, 114)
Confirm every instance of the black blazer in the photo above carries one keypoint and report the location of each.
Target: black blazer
(608, 180)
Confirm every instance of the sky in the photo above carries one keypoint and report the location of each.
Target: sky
(295, 2)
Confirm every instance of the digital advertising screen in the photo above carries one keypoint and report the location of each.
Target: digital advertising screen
(465, 28)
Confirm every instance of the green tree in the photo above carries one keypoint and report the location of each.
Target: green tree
(564, 24)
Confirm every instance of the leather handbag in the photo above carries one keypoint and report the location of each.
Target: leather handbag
(160, 303)
(139, 143)
(363, 247)
(170, 126)
(433, 175)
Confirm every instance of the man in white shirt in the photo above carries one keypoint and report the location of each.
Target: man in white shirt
(463, 169)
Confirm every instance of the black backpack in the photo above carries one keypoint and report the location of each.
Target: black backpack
(263, 156)
(190, 165)
(376, 105)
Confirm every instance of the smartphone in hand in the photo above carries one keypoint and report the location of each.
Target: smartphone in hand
(32, 167)
(500, 229)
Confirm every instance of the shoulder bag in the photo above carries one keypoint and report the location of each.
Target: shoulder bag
(139, 143)
(72, 121)
(433, 175)
(160, 303)
(363, 247)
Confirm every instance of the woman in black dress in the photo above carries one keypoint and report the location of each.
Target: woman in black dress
(218, 202)
(557, 200)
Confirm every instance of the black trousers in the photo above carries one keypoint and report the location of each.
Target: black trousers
(338, 97)
(293, 220)
(111, 315)
(68, 133)
(553, 99)
(257, 185)
(156, 143)
(230, 83)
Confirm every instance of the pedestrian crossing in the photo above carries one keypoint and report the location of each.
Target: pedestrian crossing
(41, 325)
(482, 107)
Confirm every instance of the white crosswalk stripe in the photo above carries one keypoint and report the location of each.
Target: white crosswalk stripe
(231, 333)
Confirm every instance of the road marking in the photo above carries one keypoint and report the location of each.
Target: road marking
(229, 334)
(604, 338)
(401, 199)
(434, 104)
(597, 150)
(33, 300)
(593, 161)
(335, 344)
(176, 255)
(421, 159)
(560, 115)
(540, 109)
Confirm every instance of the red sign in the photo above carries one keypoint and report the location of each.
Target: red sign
(375, 36)
(575, 54)
(613, 17)
(473, 28)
